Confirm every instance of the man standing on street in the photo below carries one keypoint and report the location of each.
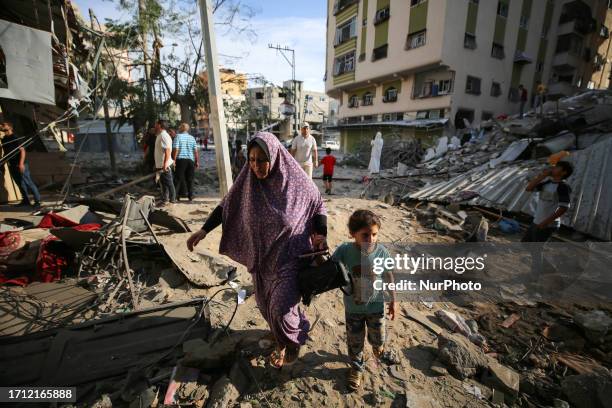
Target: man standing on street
(18, 166)
(185, 154)
(304, 149)
(163, 162)
(523, 97)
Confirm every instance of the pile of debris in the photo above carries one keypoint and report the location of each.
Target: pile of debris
(395, 150)
(104, 296)
(539, 355)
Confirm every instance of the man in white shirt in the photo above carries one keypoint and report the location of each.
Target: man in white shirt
(163, 162)
(304, 149)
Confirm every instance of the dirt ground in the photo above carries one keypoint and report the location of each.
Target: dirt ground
(318, 379)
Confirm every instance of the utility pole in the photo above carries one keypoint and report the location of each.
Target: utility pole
(217, 114)
(107, 121)
(291, 62)
(143, 25)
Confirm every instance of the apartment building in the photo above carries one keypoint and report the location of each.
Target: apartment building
(602, 74)
(266, 103)
(233, 89)
(411, 62)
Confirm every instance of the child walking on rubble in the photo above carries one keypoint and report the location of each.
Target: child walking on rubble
(365, 308)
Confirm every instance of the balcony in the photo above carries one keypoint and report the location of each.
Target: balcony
(566, 61)
(343, 4)
(577, 26)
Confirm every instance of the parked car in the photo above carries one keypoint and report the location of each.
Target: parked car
(331, 144)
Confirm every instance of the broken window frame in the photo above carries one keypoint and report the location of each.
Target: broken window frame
(367, 99)
(346, 31)
(379, 53)
(416, 40)
(390, 95)
(497, 51)
(473, 85)
(469, 41)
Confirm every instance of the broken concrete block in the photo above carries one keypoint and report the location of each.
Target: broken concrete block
(442, 224)
(594, 323)
(462, 357)
(223, 394)
(590, 390)
(203, 355)
(502, 378)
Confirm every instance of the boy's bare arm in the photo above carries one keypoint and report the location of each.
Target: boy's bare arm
(537, 180)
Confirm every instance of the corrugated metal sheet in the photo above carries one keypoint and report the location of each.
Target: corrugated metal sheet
(504, 188)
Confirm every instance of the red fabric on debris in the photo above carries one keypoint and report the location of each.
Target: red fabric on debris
(9, 241)
(50, 265)
(54, 220)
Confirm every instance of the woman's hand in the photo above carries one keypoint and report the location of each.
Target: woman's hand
(319, 242)
(195, 238)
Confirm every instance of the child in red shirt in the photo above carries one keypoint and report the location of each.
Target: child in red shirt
(328, 163)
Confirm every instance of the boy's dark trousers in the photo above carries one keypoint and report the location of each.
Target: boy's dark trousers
(535, 234)
(185, 169)
(356, 324)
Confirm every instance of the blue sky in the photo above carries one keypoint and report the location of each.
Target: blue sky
(299, 24)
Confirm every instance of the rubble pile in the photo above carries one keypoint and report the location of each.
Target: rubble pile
(395, 150)
(112, 282)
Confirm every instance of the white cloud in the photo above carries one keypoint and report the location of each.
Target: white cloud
(305, 35)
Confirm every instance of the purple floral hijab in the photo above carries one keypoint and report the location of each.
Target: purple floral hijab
(270, 220)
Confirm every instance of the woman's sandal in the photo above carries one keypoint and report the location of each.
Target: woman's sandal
(354, 379)
(277, 358)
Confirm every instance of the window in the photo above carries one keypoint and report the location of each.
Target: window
(368, 99)
(382, 15)
(353, 101)
(390, 95)
(469, 41)
(321, 99)
(259, 95)
(416, 40)
(524, 22)
(380, 52)
(502, 9)
(422, 114)
(473, 85)
(416, 2)
(498, 51)
(362, 57)
(540, 67)
(346, 31)
(474, 1)
(344, 63)
(340, 5)
(445, 86)
(282, 95)
(496, 89)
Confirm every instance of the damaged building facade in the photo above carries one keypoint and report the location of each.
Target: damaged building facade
(446, 61)
(42, 89)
